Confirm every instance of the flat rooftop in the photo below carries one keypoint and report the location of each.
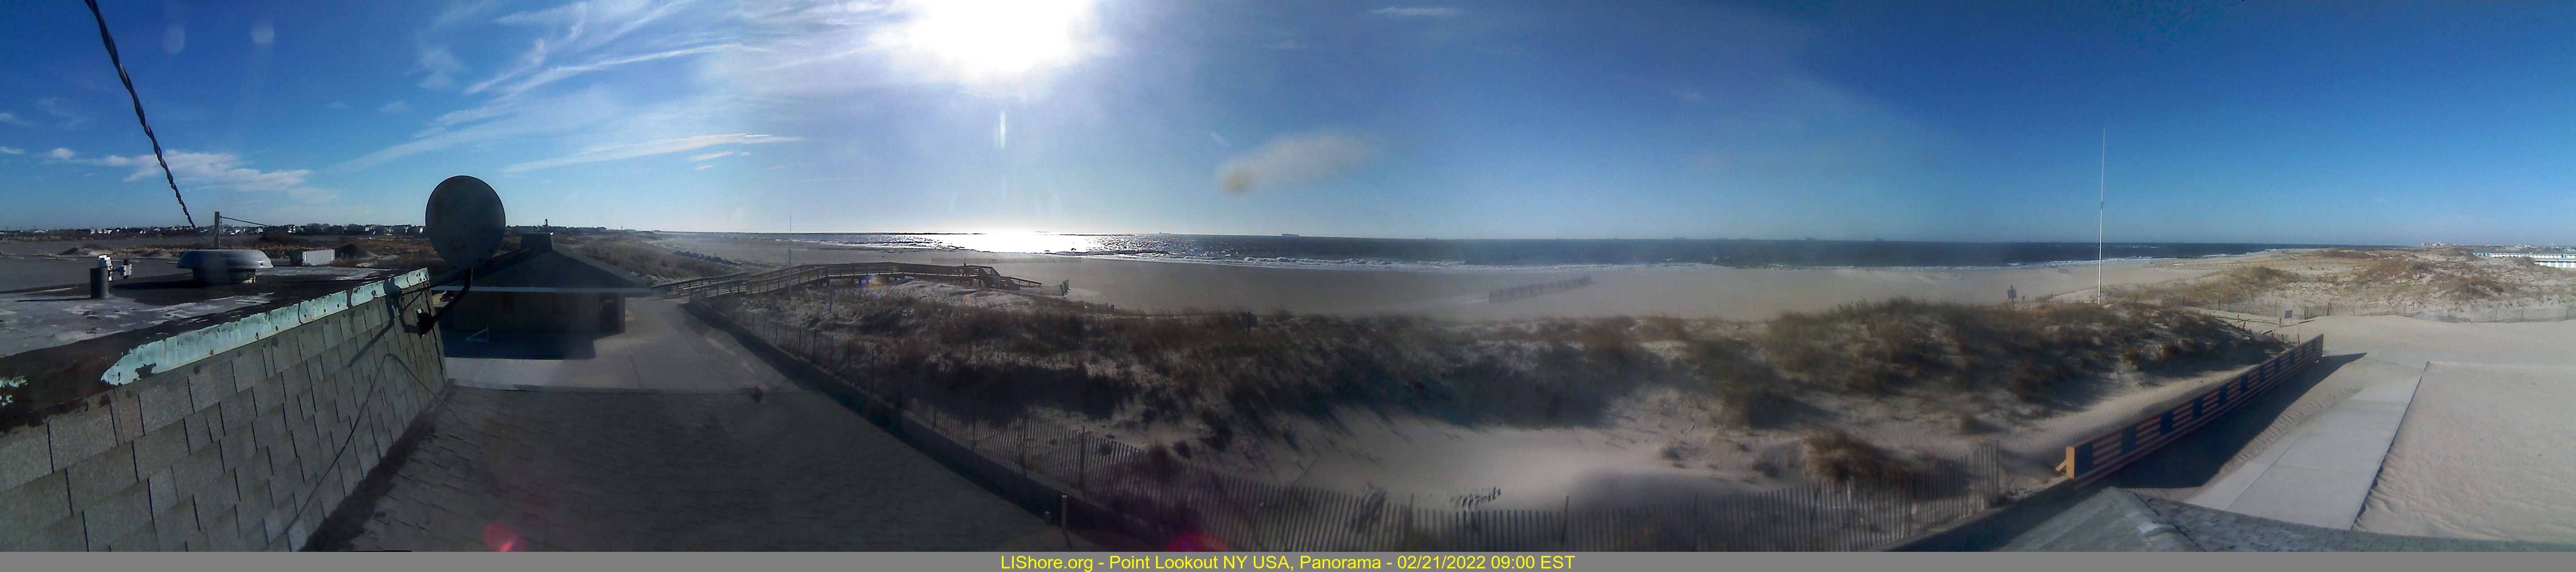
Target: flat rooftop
(57, 344)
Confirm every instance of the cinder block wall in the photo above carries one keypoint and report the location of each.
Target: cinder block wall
(244, 450)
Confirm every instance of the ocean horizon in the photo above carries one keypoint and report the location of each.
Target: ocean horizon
(1423, 253)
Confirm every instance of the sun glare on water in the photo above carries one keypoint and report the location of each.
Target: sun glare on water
(1022, 242)
(996, 39)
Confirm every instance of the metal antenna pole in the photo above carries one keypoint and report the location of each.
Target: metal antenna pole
(2101, 208)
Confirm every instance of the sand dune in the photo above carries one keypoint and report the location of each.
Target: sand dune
(2484, 454)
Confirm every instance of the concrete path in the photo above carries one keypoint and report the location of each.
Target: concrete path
(2222, 531)
(2323, 476)
(557, 470)
(659, 442)
(663, 349)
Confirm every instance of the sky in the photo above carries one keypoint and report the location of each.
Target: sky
(2201, 121)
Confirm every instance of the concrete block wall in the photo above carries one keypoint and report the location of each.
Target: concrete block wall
(245, 450)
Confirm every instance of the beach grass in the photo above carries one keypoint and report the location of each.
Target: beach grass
(1233, 372)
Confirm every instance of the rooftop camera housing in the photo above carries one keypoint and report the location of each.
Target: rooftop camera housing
(229, 266)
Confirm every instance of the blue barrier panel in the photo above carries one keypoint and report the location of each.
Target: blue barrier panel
(2086, 461)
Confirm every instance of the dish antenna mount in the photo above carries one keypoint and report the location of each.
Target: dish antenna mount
(465, 224)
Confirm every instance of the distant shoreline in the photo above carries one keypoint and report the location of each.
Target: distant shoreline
(1546, 255)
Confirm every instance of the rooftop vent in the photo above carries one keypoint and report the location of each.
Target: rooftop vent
(233, 266)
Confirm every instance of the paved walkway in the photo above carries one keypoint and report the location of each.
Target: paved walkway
(661, 442)
(2322, 477)
(2118, 520)
(2222, 531)
(543, 470)
(663, 349)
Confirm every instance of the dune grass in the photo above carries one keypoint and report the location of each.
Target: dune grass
(634, 255)
(1837, 456)
(1233, 372)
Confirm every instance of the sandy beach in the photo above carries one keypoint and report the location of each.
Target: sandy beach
(1653, 445)
(1679, 291)
(2482, 450)
(2478, 457)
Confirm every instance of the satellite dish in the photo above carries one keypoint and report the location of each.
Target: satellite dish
(465, 223)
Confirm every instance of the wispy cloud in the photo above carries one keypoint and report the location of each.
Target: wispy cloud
(65, 117)
(706, 156)
(12, 119)
(629, 151)
(217, 171)
(521, 83)
(589, 36)
(12, 151)
(460, 12)
(1295, 159)
(497, 121)
(442, 65)
(395, 107)
(1417, 12)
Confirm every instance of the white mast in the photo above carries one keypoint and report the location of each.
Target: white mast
(2101, 203)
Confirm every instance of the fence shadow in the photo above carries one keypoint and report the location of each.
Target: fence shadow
(2194, 460)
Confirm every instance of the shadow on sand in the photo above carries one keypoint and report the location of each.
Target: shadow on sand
(2195, 460)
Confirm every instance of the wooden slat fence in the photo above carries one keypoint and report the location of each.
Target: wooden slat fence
(1519, 292)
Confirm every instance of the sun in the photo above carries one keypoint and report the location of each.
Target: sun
(984, 40)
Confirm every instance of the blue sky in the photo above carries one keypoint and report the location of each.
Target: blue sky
(2342, 122)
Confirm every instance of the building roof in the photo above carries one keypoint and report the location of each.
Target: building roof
(58, 346)
(554, 271)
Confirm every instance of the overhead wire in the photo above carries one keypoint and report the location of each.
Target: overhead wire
(119, 62)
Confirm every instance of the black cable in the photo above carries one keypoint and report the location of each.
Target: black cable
(119, 62)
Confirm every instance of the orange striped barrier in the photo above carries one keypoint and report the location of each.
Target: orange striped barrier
(2092, 459)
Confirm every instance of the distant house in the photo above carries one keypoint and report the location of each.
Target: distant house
(538, 289)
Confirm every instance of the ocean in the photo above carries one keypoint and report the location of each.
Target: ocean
(1306, 251)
